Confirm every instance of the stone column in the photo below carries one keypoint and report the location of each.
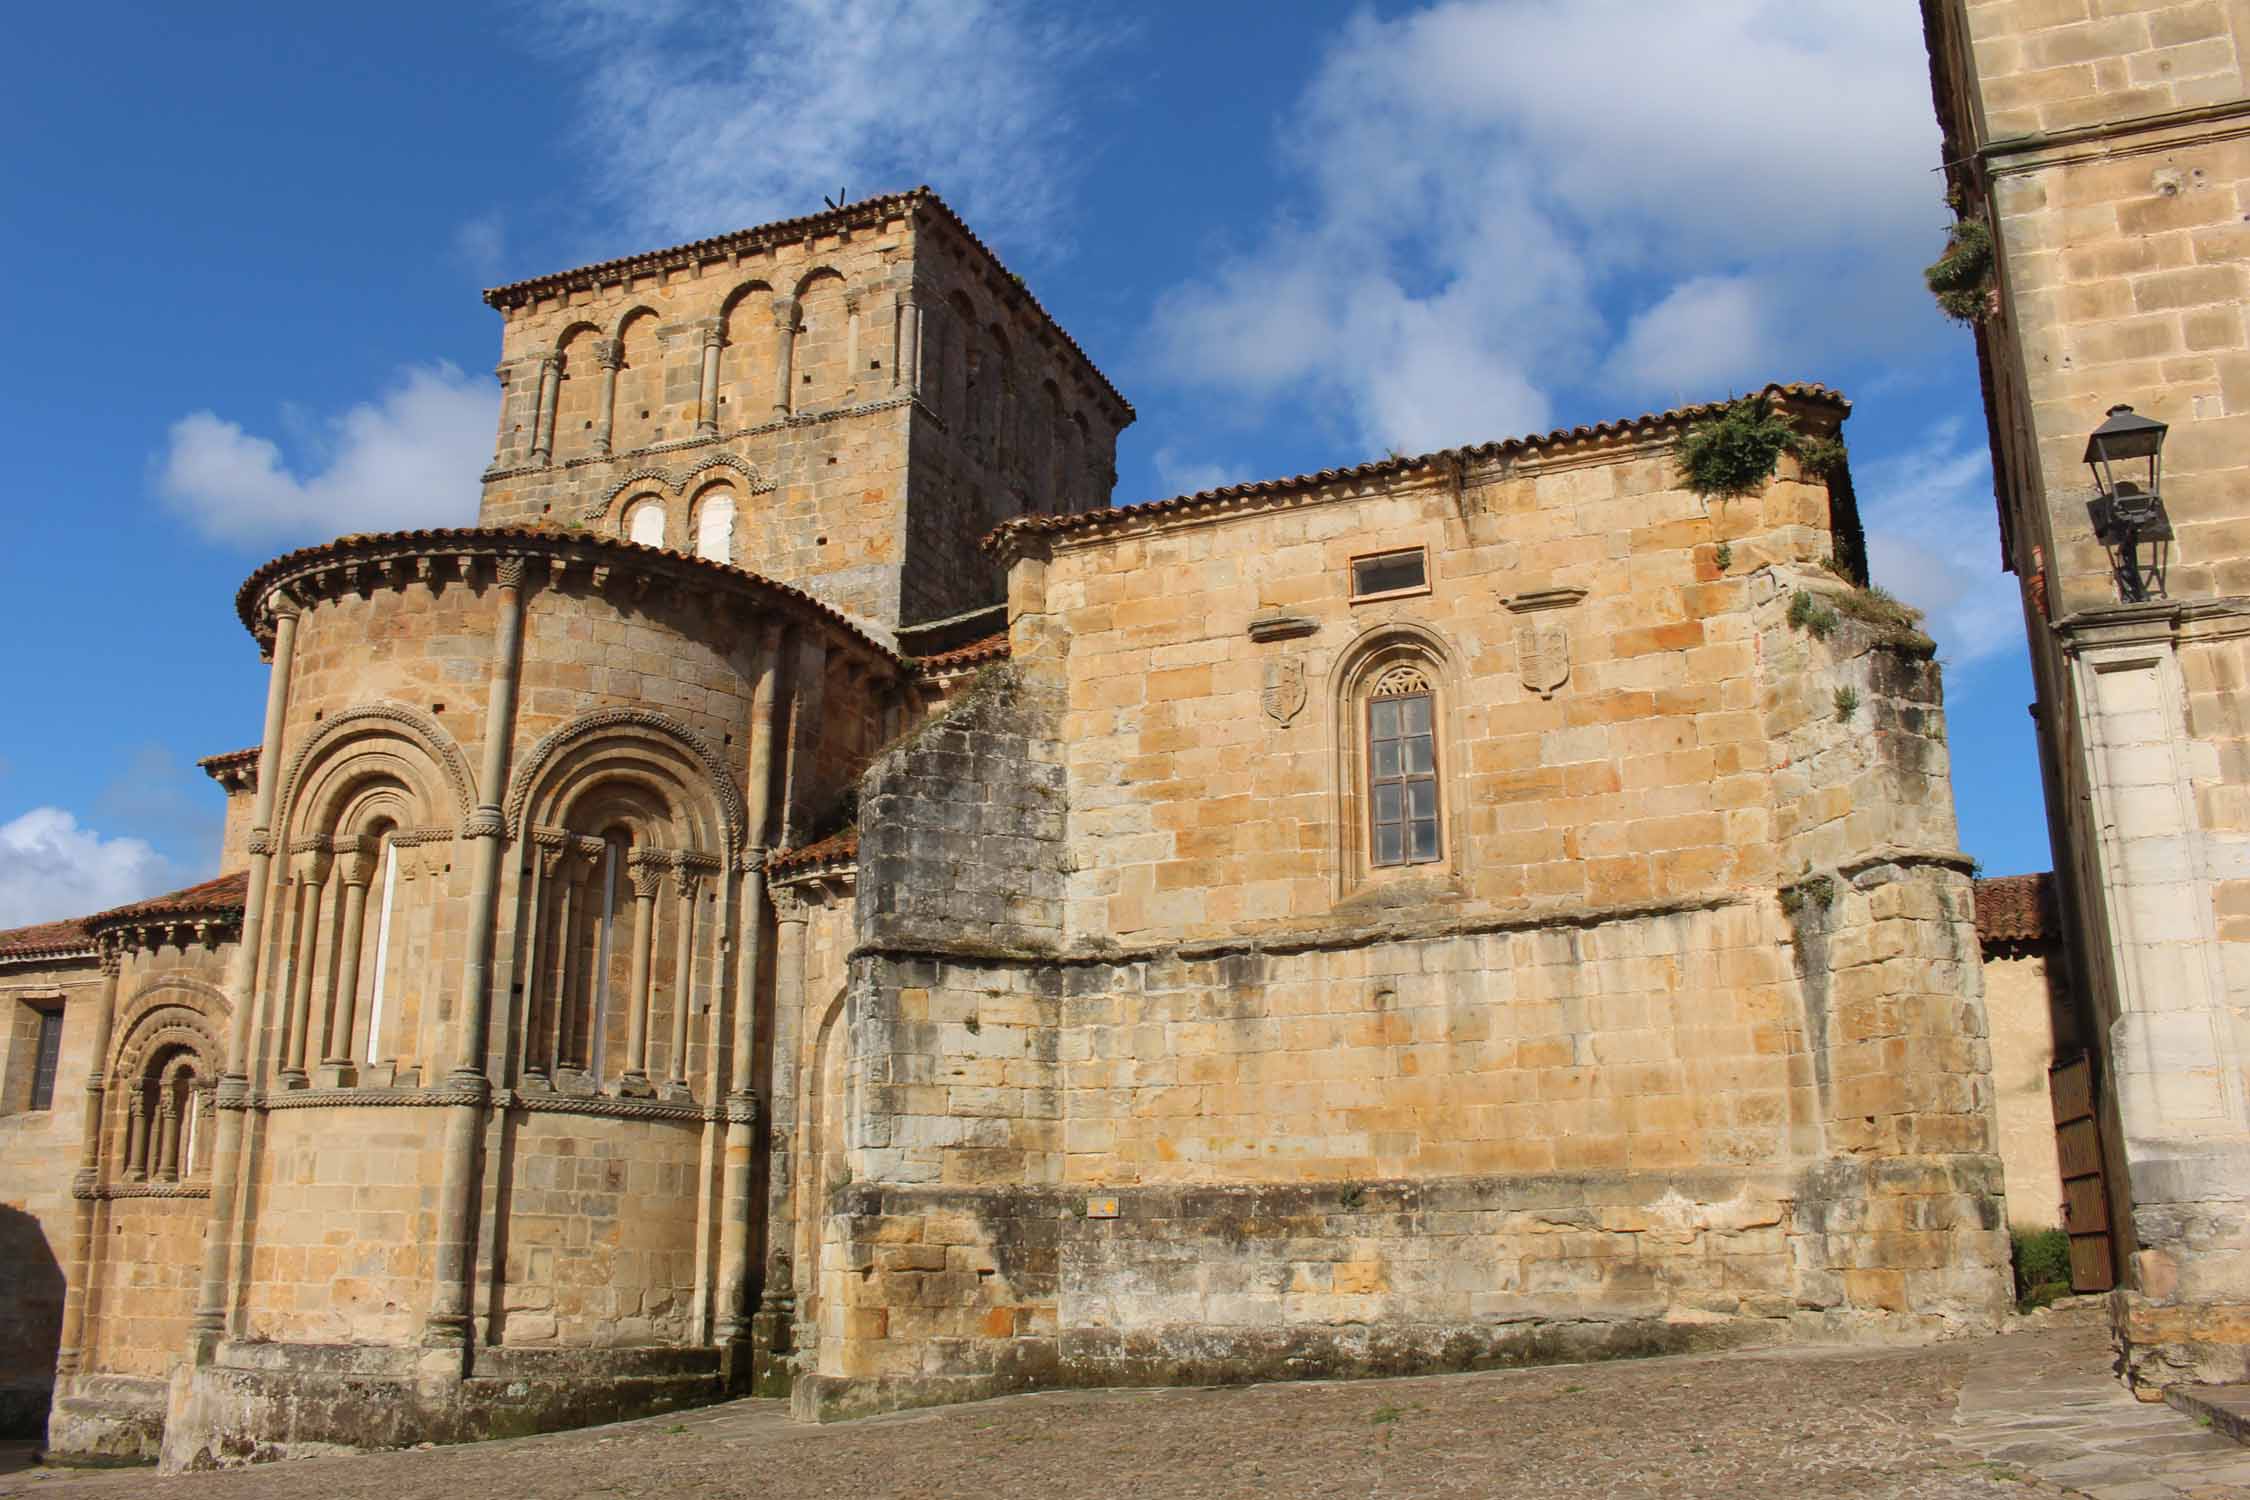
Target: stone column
(543, 430)
(784, 354)
(808, 688)
(336, 1069)
(707, 392)
(609, 354)
(167, 1167)
(906, 364)
(136, 1139)
(83, 1188)
(446, 1330)
(777, 1311)
(312, 879)
(851, 342)
(570, 974)
(687, 883)
(734, 1334)
(647, 874)
(234, 1084)
(537, 868)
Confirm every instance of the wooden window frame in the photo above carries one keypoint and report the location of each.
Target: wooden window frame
(1352, 575)
(1404, 780)
(45, 1069)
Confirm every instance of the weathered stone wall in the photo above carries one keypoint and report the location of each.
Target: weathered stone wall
(346, 1203)
(600, 1236)
(151, 1252)
(38, 1149)
(2023, 999)
(1678, 1042)
(2100, 143)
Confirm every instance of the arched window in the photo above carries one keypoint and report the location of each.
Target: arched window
(1402, 780)
(644, 523)
(714, 527)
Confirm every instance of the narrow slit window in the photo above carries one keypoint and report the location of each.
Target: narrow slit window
(1402, 779)
(46, 1059)
(1390, 573)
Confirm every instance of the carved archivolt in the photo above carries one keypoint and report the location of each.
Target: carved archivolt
(392, 720)
(755, 482)
(616, 734)
(155, 1023)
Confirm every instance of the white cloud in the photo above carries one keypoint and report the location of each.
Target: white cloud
(707, 117)
(410, 458)
(481, 242)
(50, 868)
(1179, 475)
(1933, 538)
(1500, 199)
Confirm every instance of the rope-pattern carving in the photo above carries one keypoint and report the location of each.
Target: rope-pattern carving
(432, 735)
(755, 482)
(721, 778)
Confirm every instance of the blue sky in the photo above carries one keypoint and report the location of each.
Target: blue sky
(248, 241)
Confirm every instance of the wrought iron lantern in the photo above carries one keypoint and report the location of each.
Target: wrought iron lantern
(2126, 455)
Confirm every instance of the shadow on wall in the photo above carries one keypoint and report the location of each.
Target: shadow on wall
(31, 1300)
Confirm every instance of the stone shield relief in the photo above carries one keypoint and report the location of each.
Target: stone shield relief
(1543, 656)
(1284, 692)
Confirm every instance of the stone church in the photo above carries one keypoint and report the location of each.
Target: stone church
(801, 895)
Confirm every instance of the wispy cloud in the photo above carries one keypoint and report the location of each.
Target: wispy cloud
(1177, 474)
(705, 117)
(51, 868)
(481, 242)
(1933, 538)
(1500, 199)
(411, 457)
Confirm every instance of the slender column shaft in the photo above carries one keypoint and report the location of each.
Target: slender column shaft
(343, 1021)
(242, 983)
(784, 352)
(609, 355)
(543, 432)
(136, 1144)
(906, 370)
(796, 1203)
(455, 1260)
(310, 889)
(569, 973)
(535, 986)
(734, 1310)
(851, 344)
(683, 981)
(707, 391)
(77, 1289)
(167, 1144)
(645, 883)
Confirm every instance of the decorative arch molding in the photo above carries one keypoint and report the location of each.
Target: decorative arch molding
(562, 339)
(378, 720)
(166, 1023)
(638, 309)
(815, 276)
(619, 725)
(1391, 658)
(677, 483)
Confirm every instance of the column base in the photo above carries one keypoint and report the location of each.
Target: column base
(336, 1075)
(635, 1085)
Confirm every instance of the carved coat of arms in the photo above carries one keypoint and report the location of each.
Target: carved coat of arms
(1285, 688)
(1543, 656)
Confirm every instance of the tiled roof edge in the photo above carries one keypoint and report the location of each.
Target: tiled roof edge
(1235, 496)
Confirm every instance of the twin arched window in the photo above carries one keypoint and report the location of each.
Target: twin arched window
(713, 524)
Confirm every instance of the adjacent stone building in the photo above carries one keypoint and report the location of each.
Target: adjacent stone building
(806, 897)
(2103, 147)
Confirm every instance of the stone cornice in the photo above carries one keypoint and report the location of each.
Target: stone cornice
(463, 556)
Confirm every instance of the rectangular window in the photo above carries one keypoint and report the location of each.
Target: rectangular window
(45, 1058)
(1402, 780)
(1390, 573)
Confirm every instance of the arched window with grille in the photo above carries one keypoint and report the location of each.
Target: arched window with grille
(1396, 772)
(1402, 781)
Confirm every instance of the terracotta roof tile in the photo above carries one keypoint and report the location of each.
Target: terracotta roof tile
(515, 293)
(836, 849)
(993, 647)
(221, 896)
(229, 760)
(1239, 496)
(2017, 909)
(46, 940)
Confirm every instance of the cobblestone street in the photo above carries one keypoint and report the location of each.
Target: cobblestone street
(1801, 1423)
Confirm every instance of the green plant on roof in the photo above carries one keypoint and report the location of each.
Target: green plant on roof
(1734, 453)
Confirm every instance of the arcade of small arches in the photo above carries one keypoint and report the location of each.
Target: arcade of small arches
(768, 356)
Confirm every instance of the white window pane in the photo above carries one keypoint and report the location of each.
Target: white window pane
(714, 528)
(645, 524)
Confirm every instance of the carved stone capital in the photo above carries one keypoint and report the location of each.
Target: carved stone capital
(647, 877)
(789, 904)
(484, 823)
(609, 354)
(741, 1109)
(786, 312)
(260, 841)
(714, 334)
(509, 572)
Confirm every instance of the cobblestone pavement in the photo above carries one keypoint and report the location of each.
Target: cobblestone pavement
(1808, 1424)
